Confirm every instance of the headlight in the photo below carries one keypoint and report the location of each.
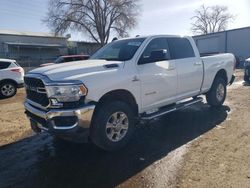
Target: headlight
(67, 93)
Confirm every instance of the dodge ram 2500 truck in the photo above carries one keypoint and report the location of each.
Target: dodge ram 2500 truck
(126, 81)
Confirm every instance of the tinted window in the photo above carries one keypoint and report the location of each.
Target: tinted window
(59, 60)
(78, 58)
(4, 65)
(154, 45)
(68, 59)
(180, 48)
(120, 50)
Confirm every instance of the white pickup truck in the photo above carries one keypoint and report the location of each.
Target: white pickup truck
(126, 81)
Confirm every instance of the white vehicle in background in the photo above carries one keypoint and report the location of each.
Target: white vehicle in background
(128, 80)
(11, 77)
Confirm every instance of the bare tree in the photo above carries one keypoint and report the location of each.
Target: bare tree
(96, 18)
(211, 19)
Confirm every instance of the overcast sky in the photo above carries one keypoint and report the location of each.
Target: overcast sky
(157, 16)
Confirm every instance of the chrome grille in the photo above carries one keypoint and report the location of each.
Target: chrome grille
(35, 91)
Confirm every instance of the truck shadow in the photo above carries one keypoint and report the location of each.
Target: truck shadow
(39, 161)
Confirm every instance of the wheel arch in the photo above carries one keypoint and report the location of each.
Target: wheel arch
(9, 80)
(222, 73)
(120, 95)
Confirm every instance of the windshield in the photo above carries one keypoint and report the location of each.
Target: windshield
(121, 50)
(59, 60)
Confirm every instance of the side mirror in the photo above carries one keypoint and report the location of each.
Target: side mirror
(158, 55)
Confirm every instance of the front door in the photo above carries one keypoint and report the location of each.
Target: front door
(158, 78)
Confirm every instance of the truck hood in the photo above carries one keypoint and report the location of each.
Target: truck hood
(77, 69)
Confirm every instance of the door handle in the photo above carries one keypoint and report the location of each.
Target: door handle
(197, 63)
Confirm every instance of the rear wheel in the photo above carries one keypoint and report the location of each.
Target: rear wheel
(113, 125)
(7, 89)
(217, 94)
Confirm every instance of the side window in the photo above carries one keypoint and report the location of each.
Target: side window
(154, 45)
(4, 65)
(180, 48)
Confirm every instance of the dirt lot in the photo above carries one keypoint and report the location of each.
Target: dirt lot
(195, 147)
(14, 125)
(220, 158)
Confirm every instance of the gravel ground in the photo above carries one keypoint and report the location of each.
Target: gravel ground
(220, 158)
(13, 123)
(195, 147)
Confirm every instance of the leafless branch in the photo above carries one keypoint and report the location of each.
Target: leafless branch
(211, 19)
(96, 18)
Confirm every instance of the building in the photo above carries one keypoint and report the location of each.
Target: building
(234, 41)
(31, 49)
(87, 47)
(82, 47)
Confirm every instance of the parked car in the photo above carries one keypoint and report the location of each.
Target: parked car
(68, 58)
(247, 70)
(11, 77)
(128, 80)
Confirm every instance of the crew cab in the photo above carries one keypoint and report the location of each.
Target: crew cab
(126, 81)
(11, 77)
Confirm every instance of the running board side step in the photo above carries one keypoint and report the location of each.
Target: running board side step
(170, 108)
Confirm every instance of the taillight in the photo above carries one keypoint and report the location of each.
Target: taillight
(20, 70)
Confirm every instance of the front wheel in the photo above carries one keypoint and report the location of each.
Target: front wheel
(7, 89)
(217, 94)
(113, 125)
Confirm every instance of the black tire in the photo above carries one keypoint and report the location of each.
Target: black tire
(217, 94)
(247, 78)
(99, 131)
(7, 85)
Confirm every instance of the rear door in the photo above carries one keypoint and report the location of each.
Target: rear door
(158, 79)
(189, 67)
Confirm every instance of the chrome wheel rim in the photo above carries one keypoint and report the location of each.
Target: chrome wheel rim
(220, 92)
(7, 90)
(117, 126)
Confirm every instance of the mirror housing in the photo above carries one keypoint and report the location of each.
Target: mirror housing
(158, 55)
